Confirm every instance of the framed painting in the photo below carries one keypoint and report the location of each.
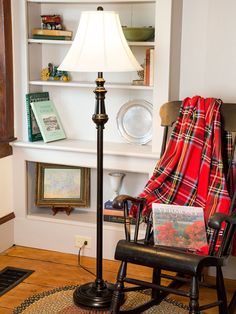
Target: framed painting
(62, 187)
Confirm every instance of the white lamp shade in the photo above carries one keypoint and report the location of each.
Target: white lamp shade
(99, 46)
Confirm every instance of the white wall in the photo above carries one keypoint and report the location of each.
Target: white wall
(6, 196)
(208, 59)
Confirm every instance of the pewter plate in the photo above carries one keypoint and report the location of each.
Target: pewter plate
(134, 121)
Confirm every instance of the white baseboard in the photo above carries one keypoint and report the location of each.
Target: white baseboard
(6, 234)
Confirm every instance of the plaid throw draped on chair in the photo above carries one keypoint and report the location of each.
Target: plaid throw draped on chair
(191, 170)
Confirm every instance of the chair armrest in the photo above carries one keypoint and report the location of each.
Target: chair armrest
(216, 220)
(119, 201)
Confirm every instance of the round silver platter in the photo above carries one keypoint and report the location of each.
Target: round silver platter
(134, 121)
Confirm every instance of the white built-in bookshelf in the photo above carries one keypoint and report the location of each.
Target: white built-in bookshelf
(75, 101)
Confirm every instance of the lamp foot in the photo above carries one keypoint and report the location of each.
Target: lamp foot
(92, 295)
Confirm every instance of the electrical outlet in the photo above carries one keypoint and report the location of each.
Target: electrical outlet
(79, 241)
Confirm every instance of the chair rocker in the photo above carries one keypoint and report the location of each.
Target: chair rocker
(188, 267)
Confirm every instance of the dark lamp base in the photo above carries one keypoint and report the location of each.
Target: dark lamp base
(91, 296)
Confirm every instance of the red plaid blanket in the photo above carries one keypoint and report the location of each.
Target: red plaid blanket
(191, 170)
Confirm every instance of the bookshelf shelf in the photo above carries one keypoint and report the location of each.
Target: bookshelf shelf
(69, 42)
(82, 146)
(89, 85)
(92, 1)
(50, 42)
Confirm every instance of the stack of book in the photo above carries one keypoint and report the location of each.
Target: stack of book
(149, 67)
(52, 34)
(111, 214)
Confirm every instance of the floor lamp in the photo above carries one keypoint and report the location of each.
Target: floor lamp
(99, 46)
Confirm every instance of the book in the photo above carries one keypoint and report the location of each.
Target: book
(151, 72)
(179, 226)
(48, 120)
(34, 133)
(117, 219)
(51, 32)
(149, 67)
(48, 37)
(115, 212)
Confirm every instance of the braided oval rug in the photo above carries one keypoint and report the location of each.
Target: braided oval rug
(60, 301)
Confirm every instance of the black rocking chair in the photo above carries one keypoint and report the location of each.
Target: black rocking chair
(188, 267)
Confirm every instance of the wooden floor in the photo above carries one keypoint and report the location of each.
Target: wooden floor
(53, 269)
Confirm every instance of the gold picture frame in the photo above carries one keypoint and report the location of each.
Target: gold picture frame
(62, 187)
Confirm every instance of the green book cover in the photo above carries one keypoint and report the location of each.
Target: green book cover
(48, 120)
(117, 219)
(34, 133)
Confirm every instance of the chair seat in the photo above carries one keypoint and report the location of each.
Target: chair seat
(164, 257)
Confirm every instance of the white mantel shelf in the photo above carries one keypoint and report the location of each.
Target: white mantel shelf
(120, 156)
(79, 218)
(69, 145)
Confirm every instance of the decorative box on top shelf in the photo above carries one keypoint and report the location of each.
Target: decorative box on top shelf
(52, 28)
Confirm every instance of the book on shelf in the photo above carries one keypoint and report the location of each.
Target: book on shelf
(113, 212)
(151, 74)
(48, 120)
(34, 133)
(49, 37)
(179, 226)
(51, 32)
(149, 67)
(117, 219)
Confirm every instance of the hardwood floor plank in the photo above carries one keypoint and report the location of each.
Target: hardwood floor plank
(17, 295)
(4, 310)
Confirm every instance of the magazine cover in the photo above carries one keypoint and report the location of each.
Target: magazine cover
(179, 226)
(48, 120)
(34, 133)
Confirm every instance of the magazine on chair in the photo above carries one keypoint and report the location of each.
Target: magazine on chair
(179, 226)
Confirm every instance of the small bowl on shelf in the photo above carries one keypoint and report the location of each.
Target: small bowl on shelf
(138, 33)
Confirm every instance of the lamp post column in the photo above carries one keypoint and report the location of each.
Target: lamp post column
(97, 294)
(100, 118)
